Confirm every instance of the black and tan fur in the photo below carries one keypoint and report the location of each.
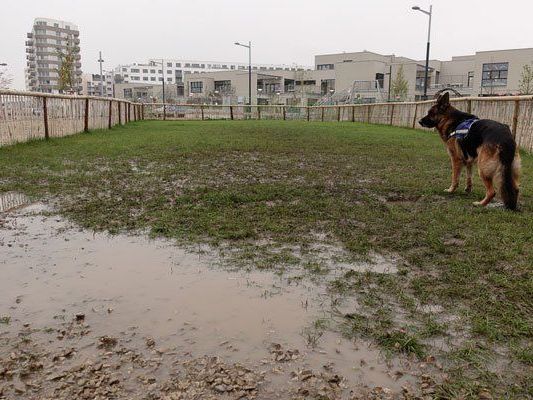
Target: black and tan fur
(489, 143)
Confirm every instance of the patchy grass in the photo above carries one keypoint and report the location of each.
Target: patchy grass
(262, 189)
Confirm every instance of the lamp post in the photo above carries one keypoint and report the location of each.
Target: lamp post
(426, 72)
(100, 61)
(249, 47)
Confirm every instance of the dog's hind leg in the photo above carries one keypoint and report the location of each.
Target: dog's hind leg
(488, 166)
(468, 187)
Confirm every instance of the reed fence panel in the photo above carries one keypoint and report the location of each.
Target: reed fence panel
(26, 116)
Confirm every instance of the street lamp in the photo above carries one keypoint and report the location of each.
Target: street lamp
(101, 76)
(426, 72)
(249, 47)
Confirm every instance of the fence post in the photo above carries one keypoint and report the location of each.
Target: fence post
(353, 113)
(515, 117)
(391, 113)
(284, 112)
(142, 111)
(414, 118)
(231, 112)
(338, 113)
(165, 112)
(110, 111)
(202, 109)
(119, 113)
(45, 116)
(369, 112)
(86, 119)
(322, 114)
(308, 114)
(469, 106)
(258, 113)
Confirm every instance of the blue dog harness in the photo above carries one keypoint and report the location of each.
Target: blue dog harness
(463, 129)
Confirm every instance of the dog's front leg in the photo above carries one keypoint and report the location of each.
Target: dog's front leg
(457, 165)
(468, 187)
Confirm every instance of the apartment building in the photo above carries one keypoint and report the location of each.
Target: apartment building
(174, 70)
(47, 40)
(92, 84)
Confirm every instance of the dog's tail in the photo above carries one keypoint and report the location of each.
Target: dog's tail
(509, 188)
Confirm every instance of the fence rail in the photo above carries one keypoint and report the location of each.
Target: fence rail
(25, 115)
(515, 111)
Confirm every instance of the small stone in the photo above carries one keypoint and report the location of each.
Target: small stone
(221, 388)
(80, 317)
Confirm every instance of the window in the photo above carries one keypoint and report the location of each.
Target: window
(169, 79)
(495, 74)
(325, 66)
(195, 65)
(135, 78)
(178, 65)
(380, 78)
(145, 78)
(169, 72)
(56, 25)
(160, 79)
(187, 65)
(67, 27)
(470, 79)
(159, 71)
(169, 65)
(197, 87)
(202, 65)
(124, 69)
(135, 70)
(145, 71)
(152, 71)
(152, 78)
(223, 86)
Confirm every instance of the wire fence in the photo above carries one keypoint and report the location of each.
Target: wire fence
(25, 116)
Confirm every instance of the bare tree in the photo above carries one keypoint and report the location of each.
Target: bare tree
(400, 86)
(5, 80)
(525, 86)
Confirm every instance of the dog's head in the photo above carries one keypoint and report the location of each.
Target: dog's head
(437, 113)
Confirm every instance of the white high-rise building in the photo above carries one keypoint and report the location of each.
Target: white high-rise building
(49, 38)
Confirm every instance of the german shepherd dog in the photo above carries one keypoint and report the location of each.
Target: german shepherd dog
(489, 143)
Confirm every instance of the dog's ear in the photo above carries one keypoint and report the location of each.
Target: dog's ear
(443, 101)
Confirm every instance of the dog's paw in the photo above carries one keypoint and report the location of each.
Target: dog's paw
(468, 189)
(478, 204)
(450, 190)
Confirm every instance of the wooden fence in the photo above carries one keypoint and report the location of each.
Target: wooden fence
(515, 111)
(25, 115)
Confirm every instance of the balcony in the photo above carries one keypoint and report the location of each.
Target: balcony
(30, 57)
(29, 42)
(29, 35)
(76, 41)
(30, 50)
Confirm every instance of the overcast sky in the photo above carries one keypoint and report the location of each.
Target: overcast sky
(282, 31)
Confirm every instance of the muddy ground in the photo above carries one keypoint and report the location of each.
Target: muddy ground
(91, 316)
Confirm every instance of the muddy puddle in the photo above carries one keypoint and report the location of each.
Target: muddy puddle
(81, 302)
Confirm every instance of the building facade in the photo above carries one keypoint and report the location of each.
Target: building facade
(174, 70)
(92, 85)
(45, 45)
(358, 77)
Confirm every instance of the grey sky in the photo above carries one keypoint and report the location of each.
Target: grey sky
(282, 31)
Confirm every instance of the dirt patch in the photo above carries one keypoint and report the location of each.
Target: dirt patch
(90, 315)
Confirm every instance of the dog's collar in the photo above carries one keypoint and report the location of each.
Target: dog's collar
(462, 130)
